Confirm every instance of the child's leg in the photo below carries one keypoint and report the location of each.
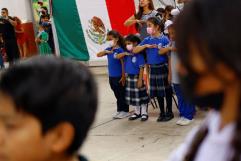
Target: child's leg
(123, 106)
(179, 98)
(169, 101)
(137, 113)
(162, 116)
(161, 104)
(186, 109)
(119, 92)
(114, 86)
(144, 112)
(144, 109)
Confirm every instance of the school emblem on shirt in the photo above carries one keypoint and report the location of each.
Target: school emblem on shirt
(115, 55)
(97, 31)
(134, 59)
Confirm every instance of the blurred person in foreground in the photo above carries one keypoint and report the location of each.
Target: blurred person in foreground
(210, 70)
(47, 106)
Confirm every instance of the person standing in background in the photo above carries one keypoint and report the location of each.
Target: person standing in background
(1, 52)
(146, 10)
(42, 41)
(7, 29)
(210, 75)
(46, 22)
(21, 38)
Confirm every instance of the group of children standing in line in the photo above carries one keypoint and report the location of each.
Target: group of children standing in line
(127, 59)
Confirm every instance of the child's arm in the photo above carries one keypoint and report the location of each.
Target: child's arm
(121, 55)
(123, 77)
(164, 51)
(139, 49)
(103, 53)
(140, 79)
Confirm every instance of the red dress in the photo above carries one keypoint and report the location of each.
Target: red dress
(21, 37)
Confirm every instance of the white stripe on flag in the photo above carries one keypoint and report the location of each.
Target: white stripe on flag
(95, 24)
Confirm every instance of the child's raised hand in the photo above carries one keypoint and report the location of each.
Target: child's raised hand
(151, 46)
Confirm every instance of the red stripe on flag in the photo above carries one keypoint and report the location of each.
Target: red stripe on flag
(119, 11)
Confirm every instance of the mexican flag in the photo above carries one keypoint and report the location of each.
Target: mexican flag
(82, 25)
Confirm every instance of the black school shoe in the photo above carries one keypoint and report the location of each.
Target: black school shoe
(169, 116)
(161, 118)
(144, 117)
(134, 117)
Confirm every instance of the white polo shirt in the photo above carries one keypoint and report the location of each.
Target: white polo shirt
(215, 147)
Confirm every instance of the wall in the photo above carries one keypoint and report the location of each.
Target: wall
(19, 8)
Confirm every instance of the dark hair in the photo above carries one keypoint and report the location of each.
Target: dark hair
(53, 90)
(156, 22)
(45, 8)
(17, 20)
(136, 39)
(201, 22)
(45, 16)
(133, 38)
(139, 14)
(118, 36)
(168, 10)
(5, 9)
(161, 10)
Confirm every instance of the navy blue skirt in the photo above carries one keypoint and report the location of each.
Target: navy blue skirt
(159, 80)
(135, 96)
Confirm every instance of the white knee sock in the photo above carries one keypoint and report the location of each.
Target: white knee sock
(138, 110)
(144, 109)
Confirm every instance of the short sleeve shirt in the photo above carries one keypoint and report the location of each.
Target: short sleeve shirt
(153, 56)
(114, 65)
(133, 63)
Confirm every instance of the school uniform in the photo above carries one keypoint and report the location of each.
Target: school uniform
(216, 146)
(135, 96)
(115, 73)
(159, 86)
(158, 66)
(186, 109)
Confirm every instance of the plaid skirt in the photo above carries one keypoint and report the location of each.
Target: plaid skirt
(159, 80)
(135, 96)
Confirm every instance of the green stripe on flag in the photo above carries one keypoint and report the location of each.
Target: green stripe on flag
(71, 38)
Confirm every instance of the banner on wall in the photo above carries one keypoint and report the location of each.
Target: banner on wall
(82, 25)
